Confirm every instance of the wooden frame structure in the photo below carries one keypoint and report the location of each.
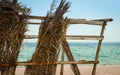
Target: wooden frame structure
(100, 22)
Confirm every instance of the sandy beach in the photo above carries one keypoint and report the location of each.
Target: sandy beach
(85, 70)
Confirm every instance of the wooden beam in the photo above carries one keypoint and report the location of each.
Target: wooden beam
(89, 22)
(42, 18)
(35, 23)
(75, 21)
(74, 37)
(106, 20)
(82, 21)
(99, 23)
(58, 62)
(31, 36)
(71, 37)
(36, 17)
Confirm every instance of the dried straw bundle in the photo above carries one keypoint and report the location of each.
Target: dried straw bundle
(12, 30)
(51, 33)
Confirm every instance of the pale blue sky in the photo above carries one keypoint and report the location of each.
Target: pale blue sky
(85, 9)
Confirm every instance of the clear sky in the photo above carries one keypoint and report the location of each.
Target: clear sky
(85, 9)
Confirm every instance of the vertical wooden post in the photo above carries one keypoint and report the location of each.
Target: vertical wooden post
(98, 49)
(62, 65)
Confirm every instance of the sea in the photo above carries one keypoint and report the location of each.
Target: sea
(109, 53)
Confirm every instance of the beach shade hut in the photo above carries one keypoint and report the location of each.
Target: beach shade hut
(51, 37)
(101, 23)
(12, 30)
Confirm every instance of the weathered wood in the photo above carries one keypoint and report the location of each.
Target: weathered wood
(35, 23)
(66, 48)
(62, 65)
(98, 50)
(74, 37)
(79, 21)
(36, 17)
(75, 21)
(31, 36)
(106, 20)
(42, 18)
(58, 62)
(71, 37)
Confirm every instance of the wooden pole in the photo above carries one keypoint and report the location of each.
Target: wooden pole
(98, 22)
(105, 20)
(72, 37)
(53, 63)
(70, 57)
(42, 18)
(98, 50)
(62, 65)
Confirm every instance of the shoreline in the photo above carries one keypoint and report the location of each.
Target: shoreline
(85, 70)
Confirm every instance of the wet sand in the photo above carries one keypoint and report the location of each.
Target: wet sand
(85, 70)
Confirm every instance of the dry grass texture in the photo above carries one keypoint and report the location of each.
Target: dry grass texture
(12, 30)
(51, 33)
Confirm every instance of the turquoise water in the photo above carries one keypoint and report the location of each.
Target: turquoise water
(109, 54)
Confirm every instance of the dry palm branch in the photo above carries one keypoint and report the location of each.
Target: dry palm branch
(12, 30)
(51, 33)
